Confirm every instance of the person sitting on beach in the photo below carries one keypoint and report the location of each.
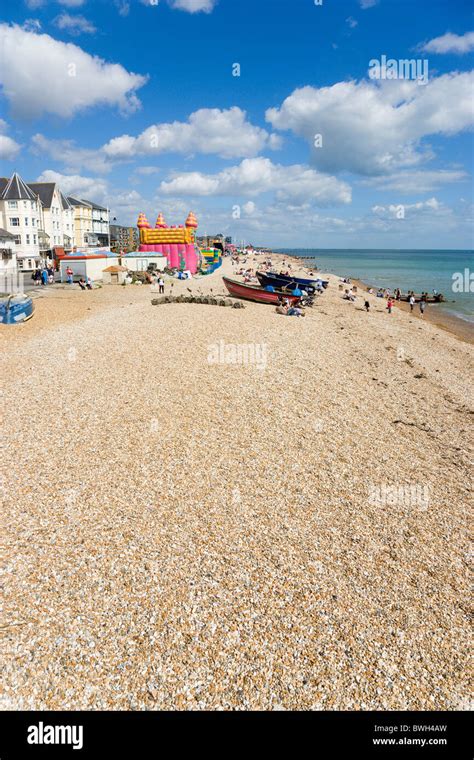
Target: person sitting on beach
(281, 309)
(349, 295)
(82, 283)
(293, 311)
(89, 284)
(367, 306)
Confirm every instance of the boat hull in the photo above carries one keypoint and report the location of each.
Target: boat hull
(429, 299)
(254, 293)
(284, 281)
(15, 309)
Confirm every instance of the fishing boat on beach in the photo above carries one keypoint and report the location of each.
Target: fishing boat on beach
(285, 282)
(256, 293)
(15, 309)
(437, 298)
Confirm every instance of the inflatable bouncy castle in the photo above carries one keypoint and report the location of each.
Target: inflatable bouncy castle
(176, 243)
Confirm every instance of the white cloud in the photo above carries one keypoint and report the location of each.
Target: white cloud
(450, 43)
(75, 25)
(259, 175)
(123, 7)
(32, 25)
(75, 80)
(147, 170)
(249, 208)
(376, 127)
(352, 22)
(70, 155)
(194, 6)
(9, 149)
(431, 209)
(364, 4)
(416, 180)
(92, 188)
(226, 133)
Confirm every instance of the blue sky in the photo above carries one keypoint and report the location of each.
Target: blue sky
(135, 105)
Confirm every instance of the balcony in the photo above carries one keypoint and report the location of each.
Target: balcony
(43, 240)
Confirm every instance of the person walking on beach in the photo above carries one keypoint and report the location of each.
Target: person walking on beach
(50, 275)
(412, 302)
(422, 307)
(44, 277)
(161, 285)
(389, 305)
(367, 306)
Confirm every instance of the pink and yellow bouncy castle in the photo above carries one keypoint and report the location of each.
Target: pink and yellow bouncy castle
(176, 243)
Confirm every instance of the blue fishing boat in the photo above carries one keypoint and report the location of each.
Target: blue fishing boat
(286, 282)
(15, 309)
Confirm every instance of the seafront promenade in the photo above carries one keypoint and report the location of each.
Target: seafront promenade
(188, 534)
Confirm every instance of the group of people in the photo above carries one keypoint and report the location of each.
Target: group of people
(284, 307)
(43, 276)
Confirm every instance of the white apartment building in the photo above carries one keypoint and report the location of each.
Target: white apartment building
(100, 225)
(8, 262)
(83, 234)
(20, 216)
(56, 217)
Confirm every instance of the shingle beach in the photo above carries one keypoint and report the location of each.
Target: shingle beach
(180, 534)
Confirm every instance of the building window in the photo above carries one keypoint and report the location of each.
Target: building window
(34, 239)
(27, 240)
(12, 204)
(17, 239)
(14, 221)
(26, 221)
(33, 221)
(25, 204)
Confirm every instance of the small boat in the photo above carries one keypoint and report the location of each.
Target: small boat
(284, 281)
(255, 293)
(438, 298)
(15, 309)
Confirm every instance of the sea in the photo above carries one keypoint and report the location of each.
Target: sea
(447, 272)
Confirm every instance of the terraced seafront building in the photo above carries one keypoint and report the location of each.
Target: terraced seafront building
(20, 216)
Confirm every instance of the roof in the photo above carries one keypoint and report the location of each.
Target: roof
(5, 234)
(95, 205)
(115, 268)
(144, 254)
(82, 256)
(64, 201)
(78, 202)
(15, 189)
(45, 190)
